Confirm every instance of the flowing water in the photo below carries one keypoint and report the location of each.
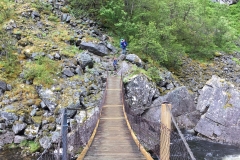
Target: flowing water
(206, 150)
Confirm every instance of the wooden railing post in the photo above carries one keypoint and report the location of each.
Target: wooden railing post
(165, 131)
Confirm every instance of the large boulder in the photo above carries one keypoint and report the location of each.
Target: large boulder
(140, 93)
(219, 104)
(85, 60)
(133, 58)
(98, 49)
(183, 107)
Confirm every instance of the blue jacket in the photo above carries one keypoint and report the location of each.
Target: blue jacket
(114, 62)
(123, 44)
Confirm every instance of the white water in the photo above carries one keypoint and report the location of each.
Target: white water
(232, 157)
(206, 150)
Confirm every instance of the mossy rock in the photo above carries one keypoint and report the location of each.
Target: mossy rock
(37, 119)
(51, 119)
(65, 9)
(218, 54)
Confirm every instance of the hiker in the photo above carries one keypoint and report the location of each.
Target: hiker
(123, 45)
(115, 64)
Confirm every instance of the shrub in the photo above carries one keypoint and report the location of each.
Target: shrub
(41, 71)
(153, 73)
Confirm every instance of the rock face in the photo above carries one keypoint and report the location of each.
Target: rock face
(219, 104)
(140, 93)
(183, 107)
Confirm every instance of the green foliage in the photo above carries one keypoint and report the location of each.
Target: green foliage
(70, 51)
(236, 60)
(133, 72)
(113, 14)
(9, 64)
(23, 143)
(53, 18)
(164, 30)
(6, 10)
(85, 7)
(32, 145)
(42, 6)
(41, 71)
(153, 73)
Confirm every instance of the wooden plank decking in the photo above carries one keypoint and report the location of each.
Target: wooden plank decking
(113, 140)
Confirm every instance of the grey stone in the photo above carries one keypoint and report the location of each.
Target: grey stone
(67, 71)
(85, 60)
(134, 59)
(18, 127)
(19, 139)
(32, 131)
(45, 142)
(6, 138)
(98, 49)
(140, 92)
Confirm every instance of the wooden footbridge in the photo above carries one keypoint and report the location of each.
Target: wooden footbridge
(113, 140)
(115, 132)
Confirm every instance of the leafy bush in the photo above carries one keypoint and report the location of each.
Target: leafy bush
(41, 71)
(84, 7)
(153, 73)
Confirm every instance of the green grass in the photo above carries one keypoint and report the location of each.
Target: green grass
(41, 71)
(33, 146)
(70, 51)
(236, 60)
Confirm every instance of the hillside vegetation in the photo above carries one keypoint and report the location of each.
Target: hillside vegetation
(160, 32)
(165, 30)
